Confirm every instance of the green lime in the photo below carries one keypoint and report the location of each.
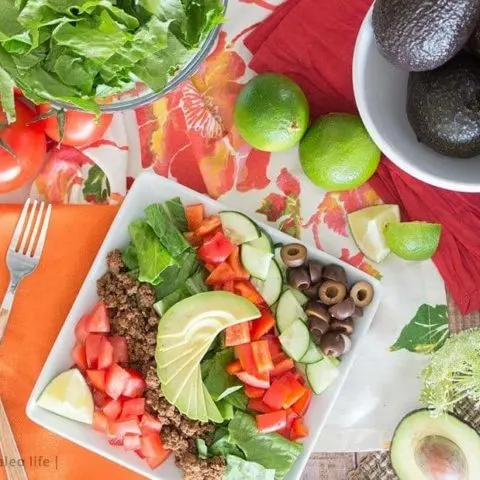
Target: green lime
(414, 240)
(367, 226)
(271, 113)
(337, 153)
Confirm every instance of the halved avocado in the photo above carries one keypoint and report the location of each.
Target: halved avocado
(425, 447)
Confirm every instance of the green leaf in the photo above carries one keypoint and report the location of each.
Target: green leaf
(176, 211)
(129, 257)
(426, 332)
(6, 95)
(97, 186)
(221, 445)
(239, 469)
(202, 448)
(238, 400)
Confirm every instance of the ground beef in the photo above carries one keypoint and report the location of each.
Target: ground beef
(130, 309)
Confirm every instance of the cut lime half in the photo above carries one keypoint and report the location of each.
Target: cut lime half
(367, 227)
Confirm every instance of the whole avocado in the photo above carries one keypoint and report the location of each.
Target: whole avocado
(443, 107)
(419, 35)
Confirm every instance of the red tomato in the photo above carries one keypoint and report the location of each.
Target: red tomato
(100, 398)
(112, 409)
(237, 334)
(261, 326)
(133, 407)
(135, 384)
(272, 422)
(236, 264)
(28, 143)
(261, 356)
(234, 367)
(216, 250)
(80, 129)
(282, 366)
(105, 354)
(245, 354)
(92, 349)
(120, 349)
(81, 329)
(153, 450)
(119, 428)
(131, 441)
(259, 380)
(98, 321)
(208, 225)
(258, 405)
(253, 392)
(150, 424)
(299, 429)
(79, 356)
(116, 380)
(100, 421)
(223, 273)
(301, 405)
(194, 214)
(97, 379)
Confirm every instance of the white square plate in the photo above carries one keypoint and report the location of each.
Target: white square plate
(150, 188)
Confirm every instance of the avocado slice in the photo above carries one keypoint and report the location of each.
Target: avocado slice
(212, 411)
(174, 388)
(426, 447)
(420, 35)
(192, 398)
(201, 410)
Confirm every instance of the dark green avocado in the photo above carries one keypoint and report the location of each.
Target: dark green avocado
(443, 107)
(425, 447)
(419, 35)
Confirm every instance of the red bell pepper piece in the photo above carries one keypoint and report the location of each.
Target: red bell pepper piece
(97, 379)
(208, 225)
(272, 422)
(259, 380)
(274, 345)
(194, 215)
(100, 421)
(282, 366)
(79, 356)
(228, 286)
(301, 405)
(248, 291)
(284, 392)
(222, 273)
(299, 429)
(237, 334)
(192, 239)
(254, 392)
(261, 326)
(112, 409)
(261, 356)
(258, 405)
(291, 416)
(236, 264)
(245, 354)
(120, 349)
(234, 367)
(216, 250)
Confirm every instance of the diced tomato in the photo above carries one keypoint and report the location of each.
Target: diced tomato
(150, 424)
(237, 334)
(272, 422)
(210, 267)
(192, 239)
(131, 441)
(133, 407)
(116, 380)
(284, 392)
(282, 366)
(216, 250)
(236, 264)
(112, 409)
(92, 349)
(100, 421)
(261, 356)
(135, 385)
(228, 286)
(248, 291)
(98, 321)
(208, 225)
(153, 450)
(100, 398)
(81, 329)
(254, 392)
(274, 345)
(234, 367)
(245, 354)
(194, 214)
(262, 325)
(97, 379)
(299, 429)
(258, 405)
(105, 355)
(301, 405)
(259, 380)
(119, 428)
(120, 349)
(222, 273)
(79, 356)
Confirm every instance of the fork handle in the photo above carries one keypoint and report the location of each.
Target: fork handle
(6, 308)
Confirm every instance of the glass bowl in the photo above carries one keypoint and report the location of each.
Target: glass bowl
(142, 95)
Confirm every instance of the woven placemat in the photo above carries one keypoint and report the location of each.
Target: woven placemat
(377, 466)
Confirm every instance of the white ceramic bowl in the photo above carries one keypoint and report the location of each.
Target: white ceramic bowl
(381, 96)
(149, 188)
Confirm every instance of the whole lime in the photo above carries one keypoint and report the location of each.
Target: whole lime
(271, 112)
(337, 153)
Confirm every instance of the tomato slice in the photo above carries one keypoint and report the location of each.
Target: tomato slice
(120, 349)
(248, 291)
(208, 225)
(100, 398)
(261, 356)
(254, 392)
(258, 405)
(98, 321)
(301, 405)
(272, 422)
(97, 379)
(222, 273)
(153, 450)
(135, 384)
(133, 407)
(112, 409)
(119, 428)
(299, 429)
(237, 334)
(245, 354)
(105, 355)
(100, 421)
(79, 356)
(259, 380)
(234, 367)
(194, 214)
(282, 366)
(236, 264)
(150, 424)
(131, 441)
(216, 250)
(261, 326)
(81, 329)
(116, 380)
(92, 349)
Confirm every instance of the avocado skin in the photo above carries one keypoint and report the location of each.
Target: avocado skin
(419, 35)
(443, 107)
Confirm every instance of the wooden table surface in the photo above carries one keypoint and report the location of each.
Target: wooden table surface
(335, 466)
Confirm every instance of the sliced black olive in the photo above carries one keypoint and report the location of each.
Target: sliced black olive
(316, 309)
(331, 292)
(342, 326)
(335, 344)
(319, 325)
(293, 255)
(312, 291)
(315, 270)
(342, 310)
(362, 294)
(358, 313)
(298, 278)
(335, 273)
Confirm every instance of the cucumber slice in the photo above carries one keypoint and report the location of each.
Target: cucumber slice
(288, 311)
(278, 259)
(263, 242)
(321, 375)
(313, 354)
(295, 340)
(238, 227)
(256, 262)
(301, 298)
(271, 288)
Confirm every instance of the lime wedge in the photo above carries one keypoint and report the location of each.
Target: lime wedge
(414, 240)
(367, 227)
(68, 395)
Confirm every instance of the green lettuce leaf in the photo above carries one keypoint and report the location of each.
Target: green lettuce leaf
(221, 445)
(129, 257)
(238, 400)
(176, 211)
(239, 469)
(270, 450)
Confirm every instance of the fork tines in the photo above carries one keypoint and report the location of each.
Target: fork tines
(30, 242)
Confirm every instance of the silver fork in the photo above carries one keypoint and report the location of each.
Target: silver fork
(23, 259)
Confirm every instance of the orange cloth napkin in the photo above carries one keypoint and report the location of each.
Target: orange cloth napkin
(42, 303)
